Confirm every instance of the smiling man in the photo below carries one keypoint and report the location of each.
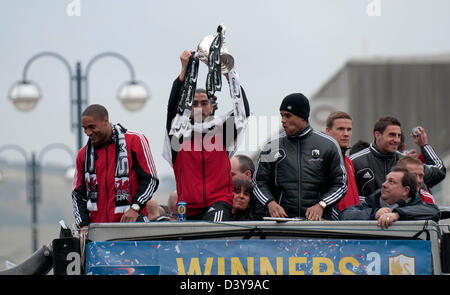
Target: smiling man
(115, 175)
(396, 200)
(373, 163)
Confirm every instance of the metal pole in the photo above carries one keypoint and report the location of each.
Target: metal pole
(34, 200)
(79, 130)
(71, 79)
(32, 187)
(103, 55)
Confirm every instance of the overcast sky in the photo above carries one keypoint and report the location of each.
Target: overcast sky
(279, 46)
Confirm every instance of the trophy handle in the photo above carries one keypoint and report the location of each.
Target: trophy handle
(226, 62)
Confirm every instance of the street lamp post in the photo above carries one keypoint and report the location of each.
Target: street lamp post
(34, 198)
(33, 174)
(25, 93)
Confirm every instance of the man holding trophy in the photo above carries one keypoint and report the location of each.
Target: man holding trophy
(198, 144)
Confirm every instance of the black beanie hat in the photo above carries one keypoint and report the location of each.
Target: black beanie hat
(297, 104)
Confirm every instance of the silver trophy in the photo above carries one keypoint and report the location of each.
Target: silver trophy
(226, 60)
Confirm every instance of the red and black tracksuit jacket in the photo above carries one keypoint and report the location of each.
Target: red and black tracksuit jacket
(203, 175)
(351, 198)
(142, 178)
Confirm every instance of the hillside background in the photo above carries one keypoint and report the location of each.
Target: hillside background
(55, 205)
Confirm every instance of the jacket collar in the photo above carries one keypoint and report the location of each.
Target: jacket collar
(379, 154)
(373, 199)
(344, 151)
(306, 131)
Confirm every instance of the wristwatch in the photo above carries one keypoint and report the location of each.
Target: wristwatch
(322, 204)
(135, 207)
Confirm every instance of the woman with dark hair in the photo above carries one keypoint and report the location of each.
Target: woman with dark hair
(242, 201)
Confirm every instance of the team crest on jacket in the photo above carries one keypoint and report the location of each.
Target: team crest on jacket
(315, 153)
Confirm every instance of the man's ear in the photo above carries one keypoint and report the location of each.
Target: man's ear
(377, 135)
(406, 191)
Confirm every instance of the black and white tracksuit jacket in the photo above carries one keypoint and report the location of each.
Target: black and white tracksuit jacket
(299, 171)
(372, 166)
(413, 209)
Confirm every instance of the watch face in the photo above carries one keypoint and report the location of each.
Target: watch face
(135, 207)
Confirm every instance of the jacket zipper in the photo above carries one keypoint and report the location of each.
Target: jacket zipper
(229, 180)
(181, 184)
(299, 179)
(204, 177)
(385, 168)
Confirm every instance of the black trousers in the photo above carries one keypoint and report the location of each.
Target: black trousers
(217, 212)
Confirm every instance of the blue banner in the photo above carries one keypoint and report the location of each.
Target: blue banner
(259, 257)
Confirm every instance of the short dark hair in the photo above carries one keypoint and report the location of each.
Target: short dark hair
(382, 123)
(408, 179)
(245, 163)
(97, 111)
(336, 115)
(213, 99)
(244, 183)
(358, 146)
(237, 183)
(201, 90)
